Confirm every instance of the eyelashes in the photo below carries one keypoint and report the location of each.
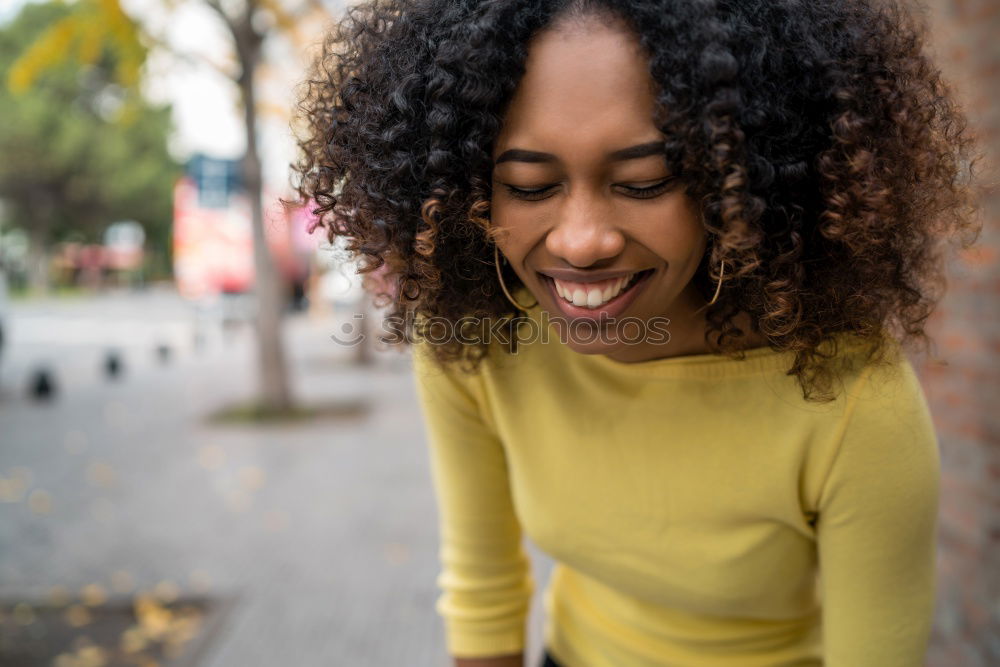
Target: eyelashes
(649, 191)
(530, 195)
(536, 194)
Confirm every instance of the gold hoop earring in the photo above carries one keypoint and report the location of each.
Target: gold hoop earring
(496, 262)
(718, 288)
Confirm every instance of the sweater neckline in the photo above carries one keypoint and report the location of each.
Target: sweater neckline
(706, 365)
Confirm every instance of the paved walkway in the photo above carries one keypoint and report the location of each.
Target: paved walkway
(324, 532)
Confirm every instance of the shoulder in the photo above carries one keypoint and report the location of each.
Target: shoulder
(453, 384)
(888, 399)
(887, 447)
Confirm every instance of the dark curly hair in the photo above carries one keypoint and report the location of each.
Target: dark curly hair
(831, 161)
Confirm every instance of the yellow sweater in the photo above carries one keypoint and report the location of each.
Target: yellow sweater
(699, 511)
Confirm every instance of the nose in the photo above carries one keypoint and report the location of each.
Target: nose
(585, 233)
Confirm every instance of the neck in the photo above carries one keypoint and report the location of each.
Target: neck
(687, 334)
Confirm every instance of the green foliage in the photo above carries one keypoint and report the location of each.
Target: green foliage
(86, 33)
(80, 149)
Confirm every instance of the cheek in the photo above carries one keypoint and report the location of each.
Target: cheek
(517, 225)
(673, 231)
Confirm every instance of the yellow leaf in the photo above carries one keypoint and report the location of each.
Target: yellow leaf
(51, 48)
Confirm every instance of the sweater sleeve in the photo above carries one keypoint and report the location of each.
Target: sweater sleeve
(877, 523)
(485, 579)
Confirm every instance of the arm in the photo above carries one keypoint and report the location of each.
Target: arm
(876, 527)
(485, 579)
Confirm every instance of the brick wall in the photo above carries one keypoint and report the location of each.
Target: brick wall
(964, 390)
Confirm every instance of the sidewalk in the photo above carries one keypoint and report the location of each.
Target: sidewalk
(324, 532)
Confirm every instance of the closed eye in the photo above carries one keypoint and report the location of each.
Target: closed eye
(530, 194)
(544, 192)
(648, 192)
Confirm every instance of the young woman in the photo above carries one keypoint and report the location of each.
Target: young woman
(660, 257)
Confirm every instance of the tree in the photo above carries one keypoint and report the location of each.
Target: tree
(249, 23)
(80, 150)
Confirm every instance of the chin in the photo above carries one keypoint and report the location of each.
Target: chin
(591, 338)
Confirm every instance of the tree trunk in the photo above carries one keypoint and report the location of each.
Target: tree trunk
(39, 280)
(38, 262)
(275, 392)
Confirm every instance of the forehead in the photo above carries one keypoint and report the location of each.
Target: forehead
(585, 82)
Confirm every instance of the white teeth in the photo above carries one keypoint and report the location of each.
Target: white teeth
(591, 298)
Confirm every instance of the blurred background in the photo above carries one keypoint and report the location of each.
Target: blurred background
(193, 472)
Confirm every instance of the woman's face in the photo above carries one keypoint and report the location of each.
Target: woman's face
(585, 198)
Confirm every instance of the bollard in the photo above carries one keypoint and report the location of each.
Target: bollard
(113, 365)
(163, 352)
(42, 385)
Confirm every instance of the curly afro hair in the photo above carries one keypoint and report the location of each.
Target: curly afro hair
(831, 161)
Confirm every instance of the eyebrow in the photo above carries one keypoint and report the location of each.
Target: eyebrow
(630, 153)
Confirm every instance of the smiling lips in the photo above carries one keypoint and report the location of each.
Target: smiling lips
(594, 294)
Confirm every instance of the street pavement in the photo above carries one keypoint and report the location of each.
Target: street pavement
(322, 533)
